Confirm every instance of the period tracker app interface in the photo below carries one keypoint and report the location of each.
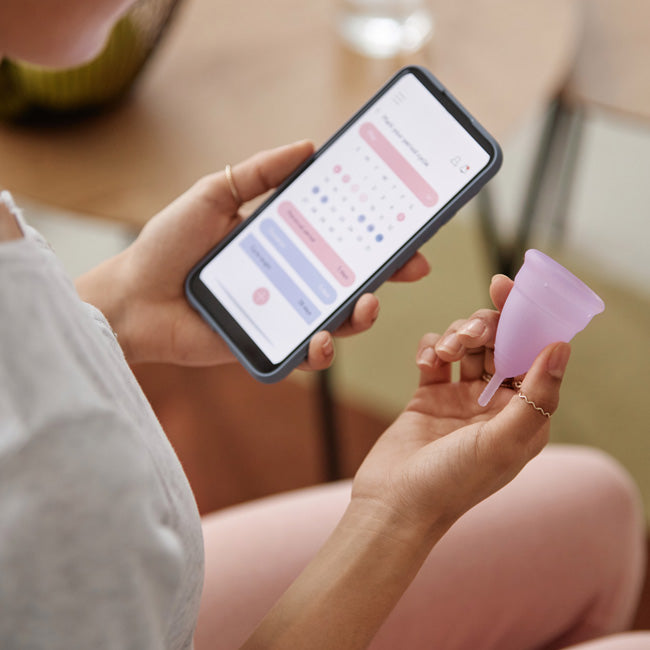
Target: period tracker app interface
(359, 202)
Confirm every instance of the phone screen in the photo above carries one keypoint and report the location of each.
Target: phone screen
(365, 195)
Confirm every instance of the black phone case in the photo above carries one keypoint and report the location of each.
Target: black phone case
(281, 370)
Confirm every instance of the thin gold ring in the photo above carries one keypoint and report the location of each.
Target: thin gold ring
(232, 186)
(506, 383)
(539, 409)
(513, 383)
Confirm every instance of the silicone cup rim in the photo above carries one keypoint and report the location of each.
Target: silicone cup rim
(588, 299)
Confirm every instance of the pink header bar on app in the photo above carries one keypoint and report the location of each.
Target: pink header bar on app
(402, 167)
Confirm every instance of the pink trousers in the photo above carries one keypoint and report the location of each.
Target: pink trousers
(554, 559)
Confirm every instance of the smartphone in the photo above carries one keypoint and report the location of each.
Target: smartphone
(343, 223)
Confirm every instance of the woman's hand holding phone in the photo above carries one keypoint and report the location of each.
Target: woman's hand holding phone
(141, 290)
(352, 215)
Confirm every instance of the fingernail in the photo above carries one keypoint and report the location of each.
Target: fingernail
(558, 359)
(376, 314)
(449, 344)
(473, 328)
(327, 348)
(426, 357)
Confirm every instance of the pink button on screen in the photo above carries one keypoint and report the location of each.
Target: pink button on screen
(261, 296)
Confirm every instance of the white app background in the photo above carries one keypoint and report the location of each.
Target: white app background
(360, 201)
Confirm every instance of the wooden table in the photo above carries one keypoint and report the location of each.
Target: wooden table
(231, 79)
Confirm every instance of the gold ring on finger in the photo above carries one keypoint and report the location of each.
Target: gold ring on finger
(232, 186)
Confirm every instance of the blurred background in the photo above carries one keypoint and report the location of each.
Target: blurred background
(185, 87)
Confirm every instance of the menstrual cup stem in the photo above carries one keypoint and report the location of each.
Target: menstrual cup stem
(490, 389)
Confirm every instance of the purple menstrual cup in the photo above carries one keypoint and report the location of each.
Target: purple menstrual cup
(546, 304)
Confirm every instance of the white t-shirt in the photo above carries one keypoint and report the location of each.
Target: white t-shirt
(100, 536)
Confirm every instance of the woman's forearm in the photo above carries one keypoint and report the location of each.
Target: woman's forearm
(344, 595)
(102, 288)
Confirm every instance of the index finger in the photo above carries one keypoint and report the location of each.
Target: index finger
(415, 269)
(500, 287)
(265, 170)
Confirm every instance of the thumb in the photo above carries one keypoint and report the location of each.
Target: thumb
(522, 426)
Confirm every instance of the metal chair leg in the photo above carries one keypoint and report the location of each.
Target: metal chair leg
(329, 428)
(506, 258)
(572, 143)
(535, 185)
(497, 258)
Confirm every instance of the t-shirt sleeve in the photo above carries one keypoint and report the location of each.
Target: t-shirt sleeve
(86, 557)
